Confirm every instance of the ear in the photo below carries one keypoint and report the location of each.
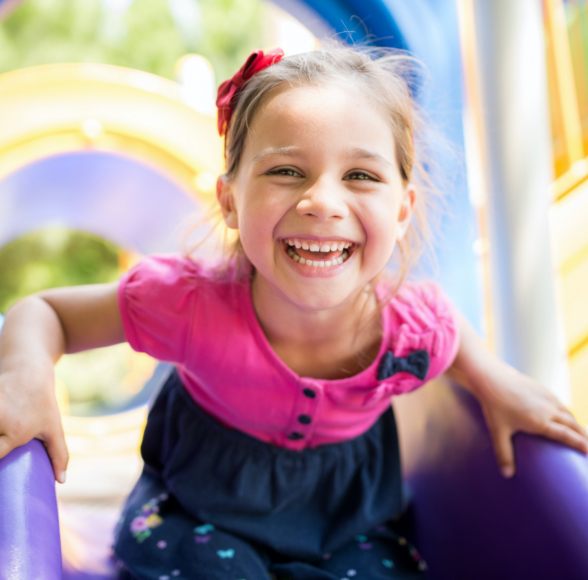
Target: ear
(406, 209)
(224, 195)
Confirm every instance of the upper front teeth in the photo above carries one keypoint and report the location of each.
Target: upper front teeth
(319, 247)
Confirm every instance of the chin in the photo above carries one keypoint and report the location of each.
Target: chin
(323, 301)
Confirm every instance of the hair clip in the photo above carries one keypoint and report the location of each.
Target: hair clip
(256, 61)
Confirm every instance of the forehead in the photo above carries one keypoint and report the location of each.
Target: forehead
(316, 113)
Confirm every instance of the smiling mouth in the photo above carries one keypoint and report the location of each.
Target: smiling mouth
(323, 254)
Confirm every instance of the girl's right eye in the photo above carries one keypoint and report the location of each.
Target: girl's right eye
(284, 171)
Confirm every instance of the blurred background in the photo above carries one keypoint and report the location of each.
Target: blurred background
(108, 150)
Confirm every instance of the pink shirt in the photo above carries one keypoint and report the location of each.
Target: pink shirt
(177, 310)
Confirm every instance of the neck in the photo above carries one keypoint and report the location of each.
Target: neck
(323, 343)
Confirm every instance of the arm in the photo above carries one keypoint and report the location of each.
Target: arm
(511, 401)
(36, 332)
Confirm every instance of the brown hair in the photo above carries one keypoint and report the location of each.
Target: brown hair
(389, 78)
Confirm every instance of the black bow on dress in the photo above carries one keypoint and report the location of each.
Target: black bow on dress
(416, 363)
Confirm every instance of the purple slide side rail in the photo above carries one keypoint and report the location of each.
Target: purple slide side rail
(29, 528)
(472, 524)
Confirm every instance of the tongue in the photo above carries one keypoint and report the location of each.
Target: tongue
(317, 255)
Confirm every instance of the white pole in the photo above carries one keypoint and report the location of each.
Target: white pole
(517, 177)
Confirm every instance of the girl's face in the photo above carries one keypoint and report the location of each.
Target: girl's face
(318, 198)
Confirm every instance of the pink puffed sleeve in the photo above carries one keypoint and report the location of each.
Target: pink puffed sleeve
(156, 299)
(426, 321)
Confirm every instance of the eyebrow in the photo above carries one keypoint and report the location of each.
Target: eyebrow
(360, 153)
(292, 150)
(288, 150)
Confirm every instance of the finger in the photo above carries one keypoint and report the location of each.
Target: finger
(562, 408)
(504, 451)
(58, 453)
(6, 446)
(567, 419)
(567, 436)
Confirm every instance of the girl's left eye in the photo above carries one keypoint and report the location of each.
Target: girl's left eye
(360, 176)
(284, 171)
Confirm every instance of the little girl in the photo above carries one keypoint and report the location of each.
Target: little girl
(271, 451)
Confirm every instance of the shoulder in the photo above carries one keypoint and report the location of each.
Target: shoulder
(156, 281)
(422, 322)
(422, 306)
(165, 267)
(167, 281)
(163, 297)
(162, 271)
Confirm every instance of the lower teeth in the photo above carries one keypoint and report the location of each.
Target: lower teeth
(318, 263)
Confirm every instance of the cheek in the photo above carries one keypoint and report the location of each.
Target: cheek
(380, 217)
(256, 233)
(263, 214)
(249, 232)
(383, 231)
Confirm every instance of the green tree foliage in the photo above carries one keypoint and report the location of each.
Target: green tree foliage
(57, 256)
(141, 34)
(54, 257)
(226, 49)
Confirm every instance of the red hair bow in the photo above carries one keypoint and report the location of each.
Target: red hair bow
(255, 62)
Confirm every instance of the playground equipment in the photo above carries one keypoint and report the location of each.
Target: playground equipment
(114, 135)
(112, 151)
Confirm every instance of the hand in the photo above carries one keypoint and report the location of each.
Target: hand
(29, 410)
(513, 402)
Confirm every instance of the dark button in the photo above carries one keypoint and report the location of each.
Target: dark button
(309, 393)
(304, 419)
(295, 436)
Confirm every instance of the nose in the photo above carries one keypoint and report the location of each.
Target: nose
(323, 199)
